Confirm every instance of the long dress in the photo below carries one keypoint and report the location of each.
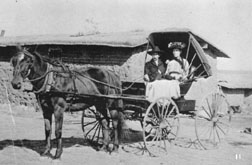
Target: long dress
(176, 70)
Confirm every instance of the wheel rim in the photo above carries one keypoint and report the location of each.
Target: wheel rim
(212, 120)
(160, 125)
(91, 126)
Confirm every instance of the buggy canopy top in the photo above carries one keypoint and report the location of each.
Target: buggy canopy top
(193, 51)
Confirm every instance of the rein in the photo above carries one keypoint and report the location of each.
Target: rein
(100, 82)
(38, 78)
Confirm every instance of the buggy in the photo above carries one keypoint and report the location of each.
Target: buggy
(160, 119)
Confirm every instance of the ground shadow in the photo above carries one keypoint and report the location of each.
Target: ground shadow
(185, 142)
(132, 142)
(240, 143)
(39, 145)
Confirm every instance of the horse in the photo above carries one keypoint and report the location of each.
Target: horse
(51, 85)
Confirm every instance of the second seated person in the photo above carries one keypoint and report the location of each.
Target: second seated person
(177, 68)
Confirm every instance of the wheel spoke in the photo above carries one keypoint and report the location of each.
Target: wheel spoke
(209, 108)
(205, 131)
(154, 138)
(171, 111)
(203, 117)
(163, 107)
(99, 131)
(164, 144)
(221, 129)
(164, 134)
(172, 134)
(219, 122)
(210, 133)
(146, 137)
(89, 123)
(98, 126)
(214, 135)
(166, 111)
(217, 133)
(218, 102)
(92, 129)
(159, 141)
(214, 104)
(154, 112)
(206, 112)
(159, 115)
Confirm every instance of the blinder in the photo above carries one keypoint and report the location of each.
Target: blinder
(27, 72)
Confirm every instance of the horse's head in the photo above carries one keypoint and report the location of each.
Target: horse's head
(23, 63)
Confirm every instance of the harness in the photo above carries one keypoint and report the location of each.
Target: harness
(49, 77)
(49, 80)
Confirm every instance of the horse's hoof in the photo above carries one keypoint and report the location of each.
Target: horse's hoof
(56, 157)
(116, 149)
(110, 147)
(104, 148)
(58, 154)
(47, 154)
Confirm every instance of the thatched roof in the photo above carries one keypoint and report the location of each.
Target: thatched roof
(118, 39)
(123, 39)
(235, 79)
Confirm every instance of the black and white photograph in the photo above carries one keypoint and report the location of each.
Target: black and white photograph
(122, 82)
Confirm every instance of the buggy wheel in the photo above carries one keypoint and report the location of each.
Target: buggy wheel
(91, 126)
(160, 125)
(212, 120)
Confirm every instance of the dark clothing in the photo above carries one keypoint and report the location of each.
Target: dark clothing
(151, 69)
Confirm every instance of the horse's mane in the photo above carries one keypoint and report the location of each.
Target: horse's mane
(39, 58)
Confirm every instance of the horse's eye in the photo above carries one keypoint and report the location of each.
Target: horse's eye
(24, 73)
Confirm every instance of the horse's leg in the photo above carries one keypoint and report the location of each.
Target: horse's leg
(59, 108)
(48, 130)
(115, 116)
(105, 132)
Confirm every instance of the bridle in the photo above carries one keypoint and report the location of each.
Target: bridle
(25, 77)
(18, 68)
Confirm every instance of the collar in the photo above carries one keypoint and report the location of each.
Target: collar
(154, 62)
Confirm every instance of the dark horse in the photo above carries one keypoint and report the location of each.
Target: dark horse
(51, 85)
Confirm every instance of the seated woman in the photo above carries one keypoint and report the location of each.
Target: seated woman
(177, 68)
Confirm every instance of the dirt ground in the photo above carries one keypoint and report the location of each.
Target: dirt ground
(22, 141)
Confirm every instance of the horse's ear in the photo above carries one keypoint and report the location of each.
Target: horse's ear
(26, 49)
(34, 49)
(13, 61)
(19, 48)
